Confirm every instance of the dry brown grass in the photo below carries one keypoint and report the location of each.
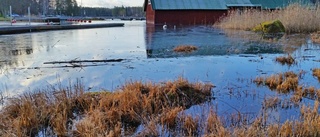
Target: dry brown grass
(282, 82)
(286, 60)
(271, 102)
(287, 83)
(103, 113)
(295, 18)
(214, 127)
(307, 126)
(137, 103)
(315, 37)
(190, 126)
(296, 98)
(169, 118)
(185, 48)
(30, 113)
(316, 73)
(157, 108)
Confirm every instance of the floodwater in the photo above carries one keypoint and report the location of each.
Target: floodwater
(230, 61)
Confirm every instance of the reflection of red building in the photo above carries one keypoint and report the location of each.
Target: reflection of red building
(202, 12)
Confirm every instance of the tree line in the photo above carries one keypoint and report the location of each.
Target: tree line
(64, 7)
(39, 7)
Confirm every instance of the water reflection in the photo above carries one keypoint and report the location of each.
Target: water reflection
(22, 56)
(222, 59)
(209, 40)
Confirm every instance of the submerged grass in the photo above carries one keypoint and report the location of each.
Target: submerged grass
(295, 18)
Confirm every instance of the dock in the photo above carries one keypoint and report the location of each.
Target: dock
(38, 28)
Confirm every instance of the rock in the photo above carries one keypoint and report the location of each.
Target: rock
(270, 27)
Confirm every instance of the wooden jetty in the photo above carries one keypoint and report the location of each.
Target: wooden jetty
(37, 28)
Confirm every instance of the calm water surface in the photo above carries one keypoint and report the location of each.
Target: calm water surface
(229, 61)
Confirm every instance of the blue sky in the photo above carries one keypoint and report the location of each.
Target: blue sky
(110, 3)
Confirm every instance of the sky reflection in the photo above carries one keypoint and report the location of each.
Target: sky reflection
(229, 61)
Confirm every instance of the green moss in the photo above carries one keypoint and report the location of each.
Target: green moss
(270, 27)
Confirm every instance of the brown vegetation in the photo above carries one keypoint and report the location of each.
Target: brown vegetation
(316, 73)
(295, 18)
(185, 48)
(282, 82)
(289, 60)
(271, 102)
(156, 108)
(286, 83)
(315, 37)
(72, 112)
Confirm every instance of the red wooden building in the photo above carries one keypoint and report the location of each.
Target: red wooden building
(200, 12)
(187, 12)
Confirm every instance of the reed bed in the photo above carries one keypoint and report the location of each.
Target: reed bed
(72, 112)
(295, 18)
(153, 109)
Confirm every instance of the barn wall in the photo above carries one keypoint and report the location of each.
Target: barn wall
(188, 17)
(150, 15)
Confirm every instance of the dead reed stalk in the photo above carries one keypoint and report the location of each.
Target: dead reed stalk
(293, 18)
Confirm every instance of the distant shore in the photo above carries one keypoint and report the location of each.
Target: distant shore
(24, 27)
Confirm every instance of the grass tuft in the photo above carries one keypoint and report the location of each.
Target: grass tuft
(316, 73)
(315, 37)
(286, 60)
(282, 82)
(185, 48)
(190, 125)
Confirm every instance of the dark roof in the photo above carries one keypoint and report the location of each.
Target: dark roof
(220, 4)
(188, 4)
(274, 4)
